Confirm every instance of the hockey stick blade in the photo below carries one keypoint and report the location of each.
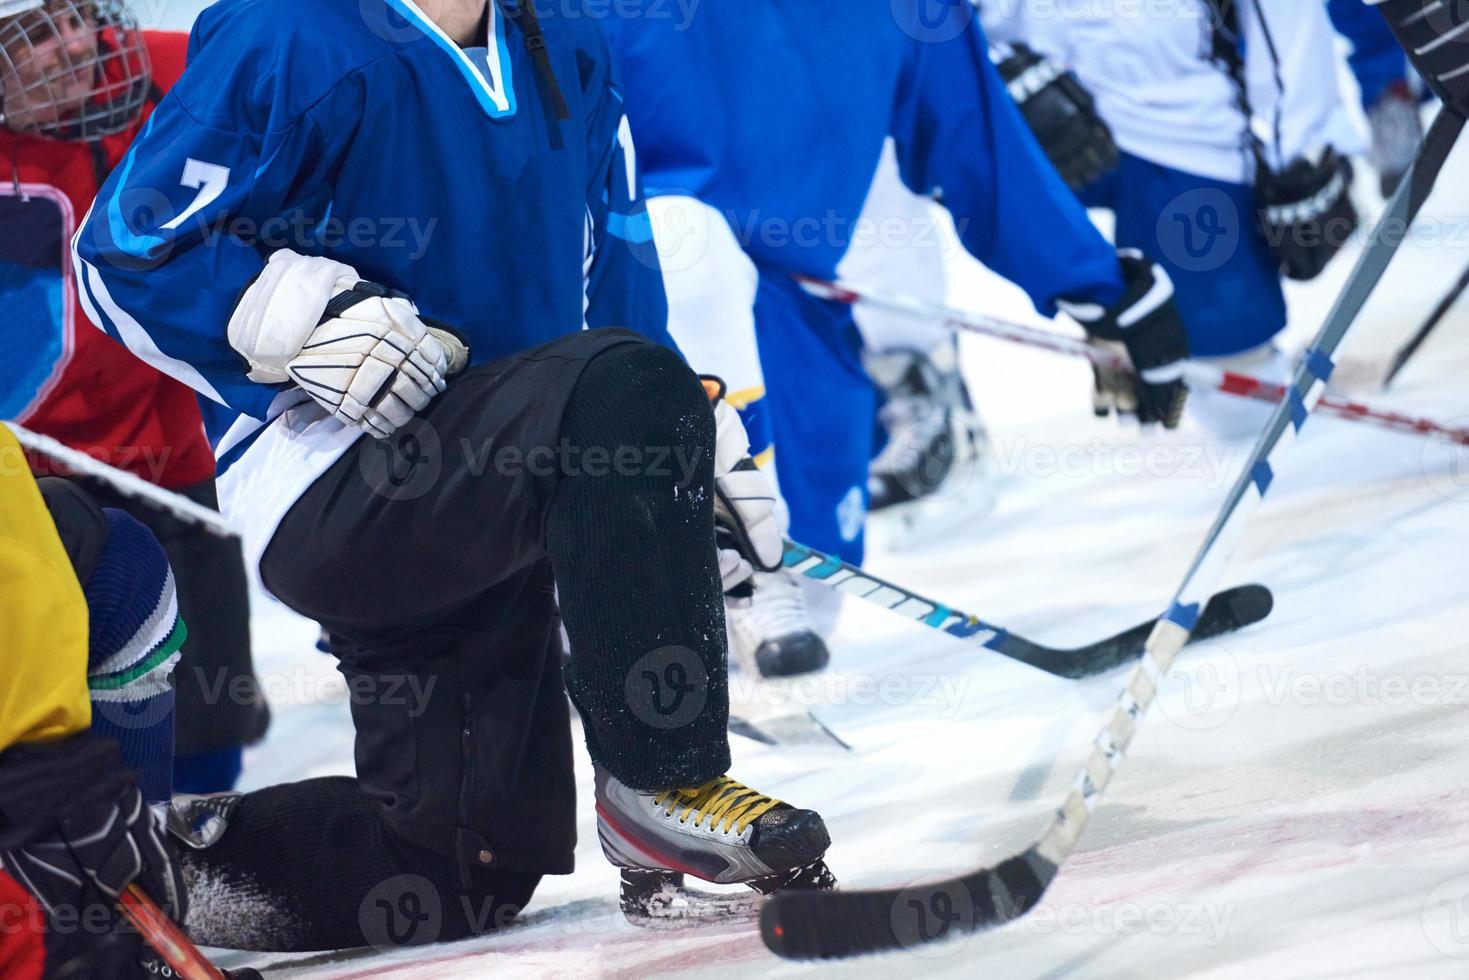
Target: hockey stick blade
(840, 924)
(834, 925)
(1227, 612)
(1230, 610)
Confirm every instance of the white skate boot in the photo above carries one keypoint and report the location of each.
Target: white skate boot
(774, 634)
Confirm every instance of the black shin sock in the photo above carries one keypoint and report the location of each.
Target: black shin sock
(631, 535)
(311, 866)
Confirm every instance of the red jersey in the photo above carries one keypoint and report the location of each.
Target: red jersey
(22, 932)
(94, 394)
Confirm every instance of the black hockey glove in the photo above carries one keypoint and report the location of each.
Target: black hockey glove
(74, 832)
(1146, 325)
(1306, 213)
(1434, 33)
(1061, 112)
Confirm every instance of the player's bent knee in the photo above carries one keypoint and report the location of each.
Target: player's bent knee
(313, 866)
(640, 396)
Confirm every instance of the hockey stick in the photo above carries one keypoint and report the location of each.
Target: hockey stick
(123, 481)
(1198, 375)
(1400, 360)
(1230, 610)
(164, 936)
(810, 925)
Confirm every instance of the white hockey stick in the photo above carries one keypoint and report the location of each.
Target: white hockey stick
(123, 481)
(1200, 376)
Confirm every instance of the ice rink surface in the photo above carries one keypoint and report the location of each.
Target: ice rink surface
(1295, 806)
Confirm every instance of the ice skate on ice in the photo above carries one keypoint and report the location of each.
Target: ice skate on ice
(721, 832)
(774, 634)
(1397, 131)
(929, 477)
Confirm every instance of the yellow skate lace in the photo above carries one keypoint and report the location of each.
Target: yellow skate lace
(726, 804)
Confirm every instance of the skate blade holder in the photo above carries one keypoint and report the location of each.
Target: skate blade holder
(661, 899)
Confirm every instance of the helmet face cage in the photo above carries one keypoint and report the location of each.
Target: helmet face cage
(72, 70)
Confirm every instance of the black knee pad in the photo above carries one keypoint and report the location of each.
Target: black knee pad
(642, 397)
(636, 564)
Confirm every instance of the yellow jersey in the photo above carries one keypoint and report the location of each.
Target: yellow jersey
(43, 615)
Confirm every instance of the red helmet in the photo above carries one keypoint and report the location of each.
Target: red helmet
(71, 69)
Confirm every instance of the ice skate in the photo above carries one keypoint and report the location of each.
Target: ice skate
(930, 477)
(721, 832)
(774, 634)
(1397, 130)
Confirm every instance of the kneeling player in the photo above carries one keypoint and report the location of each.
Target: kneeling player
(586, 462)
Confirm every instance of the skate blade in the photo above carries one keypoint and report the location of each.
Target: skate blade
(800, 729)
(661, 900)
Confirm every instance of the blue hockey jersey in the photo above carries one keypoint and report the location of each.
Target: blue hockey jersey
(775, 114)
(355, 129)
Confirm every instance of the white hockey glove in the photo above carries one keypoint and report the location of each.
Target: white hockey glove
(750, 518)
(358, 348)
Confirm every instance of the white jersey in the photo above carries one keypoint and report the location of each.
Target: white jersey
(1150, 69)
(902, 246)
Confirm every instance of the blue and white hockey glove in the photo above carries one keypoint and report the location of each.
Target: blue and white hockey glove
(358, 348)
(1145, 325)
(750, 518)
